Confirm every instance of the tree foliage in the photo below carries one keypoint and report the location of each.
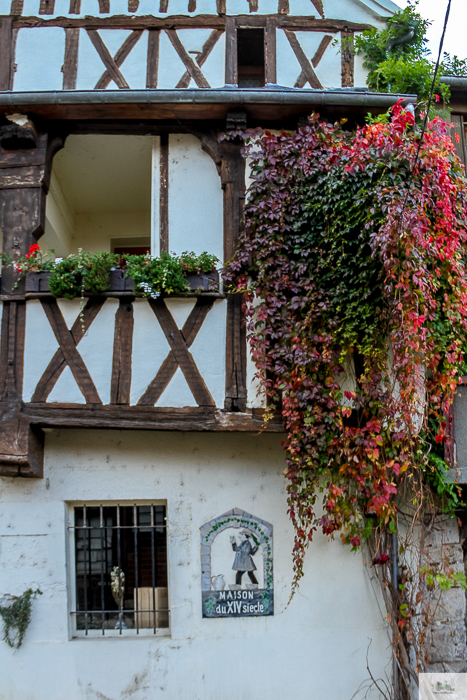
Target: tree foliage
(397, 57)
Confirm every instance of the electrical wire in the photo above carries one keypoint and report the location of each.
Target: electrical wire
(430, 100)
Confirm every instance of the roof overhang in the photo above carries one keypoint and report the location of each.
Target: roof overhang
(379, 8)
(265, 104)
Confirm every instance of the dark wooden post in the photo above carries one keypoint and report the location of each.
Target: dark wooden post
(347, 59)
(231, 59)
(6, 52)
(24, 180)
(233, 184)
(270, 51)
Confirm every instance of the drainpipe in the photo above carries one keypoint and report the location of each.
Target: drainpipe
(395, 572)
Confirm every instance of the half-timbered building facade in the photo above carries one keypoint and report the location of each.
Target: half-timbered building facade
(138, 491)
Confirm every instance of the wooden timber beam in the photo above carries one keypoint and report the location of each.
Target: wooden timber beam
(6, 52)
(233, 185)
(347, 59)
(24, 180)
(203, 419)
(182, 21)
(21, 447)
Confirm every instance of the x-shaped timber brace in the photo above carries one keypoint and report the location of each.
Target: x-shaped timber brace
(193, 61)
(193, 67)
(179, 356)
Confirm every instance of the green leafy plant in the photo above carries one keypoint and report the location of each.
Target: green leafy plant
(191, 262)
(16, 615)
(353, 267)
(445, 581)
(155, 275)
(454, 66)
(355, 257)
(89, 272)
(70, 276)
(397, 57)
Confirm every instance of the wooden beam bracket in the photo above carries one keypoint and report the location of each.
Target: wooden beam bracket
(21, 445)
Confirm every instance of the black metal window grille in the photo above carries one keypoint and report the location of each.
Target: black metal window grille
(121, 568)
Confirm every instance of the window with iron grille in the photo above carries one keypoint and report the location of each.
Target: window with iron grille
(120, 570)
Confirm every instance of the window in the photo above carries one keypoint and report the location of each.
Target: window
(250, 53)
(120, 570)
(131, 246)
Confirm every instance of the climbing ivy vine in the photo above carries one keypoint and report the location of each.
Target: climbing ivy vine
(16, 616)
(352, 263)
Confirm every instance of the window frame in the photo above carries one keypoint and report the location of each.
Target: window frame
(105, 633)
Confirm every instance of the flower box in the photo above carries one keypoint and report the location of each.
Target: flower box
(203, 282)
(119, 282)
(37, 282)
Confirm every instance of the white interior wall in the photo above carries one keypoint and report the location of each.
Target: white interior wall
(100, 189)
(59, 221)
(314, 648)
(95, 231)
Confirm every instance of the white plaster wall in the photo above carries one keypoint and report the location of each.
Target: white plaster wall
(315, 648)
(155, 196)
(39, 58)
(195, 198)
(96, 349)
(150, 348)
(360, 72)
(40, 346)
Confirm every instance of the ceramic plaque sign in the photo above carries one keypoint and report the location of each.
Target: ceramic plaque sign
(236, 566)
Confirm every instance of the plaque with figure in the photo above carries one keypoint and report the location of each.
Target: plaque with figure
(237, 566)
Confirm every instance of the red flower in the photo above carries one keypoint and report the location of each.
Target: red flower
(33, 250)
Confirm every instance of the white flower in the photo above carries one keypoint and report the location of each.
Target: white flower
(57, 260)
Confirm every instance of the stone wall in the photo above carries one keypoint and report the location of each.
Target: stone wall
(446, 638)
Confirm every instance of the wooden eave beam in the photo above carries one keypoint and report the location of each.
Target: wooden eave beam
(263, 112)
(182, 21)
(144, 418)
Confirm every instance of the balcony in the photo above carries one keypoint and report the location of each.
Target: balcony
(114, 358)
